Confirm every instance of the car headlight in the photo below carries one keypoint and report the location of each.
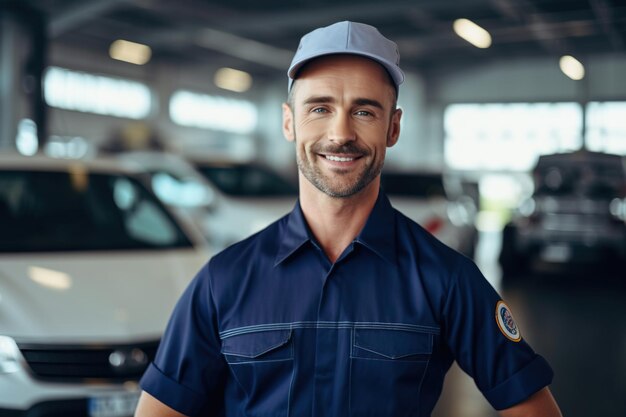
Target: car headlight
(528, 207)
(618, 208)
(9, 353)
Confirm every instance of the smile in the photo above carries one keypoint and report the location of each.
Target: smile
(339, 158)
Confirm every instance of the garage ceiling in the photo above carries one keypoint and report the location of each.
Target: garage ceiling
(260, 36)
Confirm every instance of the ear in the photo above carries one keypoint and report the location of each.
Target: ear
(288, 132)
(394, 128)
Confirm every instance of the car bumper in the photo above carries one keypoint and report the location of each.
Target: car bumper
(66, 408)
(24, 396)
(573, 246)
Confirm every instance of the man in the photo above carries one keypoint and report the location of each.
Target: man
(344, 307)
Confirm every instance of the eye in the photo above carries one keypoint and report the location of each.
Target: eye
(363, 113)
(319, 110)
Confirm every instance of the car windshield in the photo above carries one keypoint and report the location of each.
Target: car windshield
(81, 211)
(423, 185)
(594, 179)
(247, 181)
(180, 191)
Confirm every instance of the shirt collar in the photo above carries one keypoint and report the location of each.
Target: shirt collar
(295, 234)
(378, 234)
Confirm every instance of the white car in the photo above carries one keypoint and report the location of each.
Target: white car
(227, 201)
(91, 266)
(427, 198)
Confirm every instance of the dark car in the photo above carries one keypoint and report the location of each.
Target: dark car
(576, 215)
(245, 180)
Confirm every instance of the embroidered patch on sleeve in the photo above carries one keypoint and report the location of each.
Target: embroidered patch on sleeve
(505, 321)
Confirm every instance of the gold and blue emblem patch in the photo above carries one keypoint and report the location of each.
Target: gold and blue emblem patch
(506, 323)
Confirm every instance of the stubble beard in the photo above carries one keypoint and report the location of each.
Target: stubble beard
(337, 187)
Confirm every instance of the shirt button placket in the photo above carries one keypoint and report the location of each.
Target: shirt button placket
(324, 399)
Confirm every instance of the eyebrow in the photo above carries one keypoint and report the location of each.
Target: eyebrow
(329, 99)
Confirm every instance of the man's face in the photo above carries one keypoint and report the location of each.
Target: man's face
(342, 118)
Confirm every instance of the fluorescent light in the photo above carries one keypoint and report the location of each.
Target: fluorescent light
(572, 67)
(472, 33)
(80, 91)
(127, 51)
(211, 112)
(233, 80)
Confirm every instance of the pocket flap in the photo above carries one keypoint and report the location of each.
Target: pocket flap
(252, 345)
(393, 344)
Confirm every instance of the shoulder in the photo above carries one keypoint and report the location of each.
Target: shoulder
(417, 239)
(438, 263)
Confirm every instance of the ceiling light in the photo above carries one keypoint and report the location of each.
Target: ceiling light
(572, 67)
(472, 33)
(233, 80)
(127, 51)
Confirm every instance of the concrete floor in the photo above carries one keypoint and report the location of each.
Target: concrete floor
(576, 320)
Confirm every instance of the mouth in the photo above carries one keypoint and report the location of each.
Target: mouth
(341, 157)
(337, 158)
(341, 161)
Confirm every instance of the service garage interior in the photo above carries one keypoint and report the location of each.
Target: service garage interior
(140, 137)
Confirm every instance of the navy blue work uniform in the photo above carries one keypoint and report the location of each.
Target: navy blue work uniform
(270, 327)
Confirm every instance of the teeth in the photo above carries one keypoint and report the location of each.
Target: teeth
(339, 158)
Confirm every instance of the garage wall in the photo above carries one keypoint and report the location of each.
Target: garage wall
(163, 79)
(522, 80)
(533, 80)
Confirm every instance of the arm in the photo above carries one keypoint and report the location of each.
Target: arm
(540, 404)
(188, 371)
(149, 406)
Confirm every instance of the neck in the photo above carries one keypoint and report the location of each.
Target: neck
(335, 222)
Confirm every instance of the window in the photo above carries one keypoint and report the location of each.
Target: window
(80, 91)
(26, 140)
(66, 147)
(606, 129)
(213, 112)
(517, 133)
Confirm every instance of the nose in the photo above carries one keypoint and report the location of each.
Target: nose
(341, 129)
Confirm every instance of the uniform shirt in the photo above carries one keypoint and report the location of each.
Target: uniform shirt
(270, 327)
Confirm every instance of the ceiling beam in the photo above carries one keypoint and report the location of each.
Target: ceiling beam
(65, 20)
(604, 15)
(538, 25)
(293, 18)
(246, 49)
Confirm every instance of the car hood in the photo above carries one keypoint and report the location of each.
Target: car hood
(92, 297)
(261, 212)
(235, 219)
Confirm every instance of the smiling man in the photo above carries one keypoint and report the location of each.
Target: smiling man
(340, 98)
(344, 307)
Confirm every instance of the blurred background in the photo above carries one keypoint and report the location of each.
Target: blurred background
(139, 137)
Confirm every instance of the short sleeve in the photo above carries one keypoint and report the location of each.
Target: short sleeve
(487, 344)
(188, 371)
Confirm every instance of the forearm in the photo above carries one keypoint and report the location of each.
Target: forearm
(149, 406)
(540, 404)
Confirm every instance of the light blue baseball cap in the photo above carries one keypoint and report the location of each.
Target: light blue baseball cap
(348, 38)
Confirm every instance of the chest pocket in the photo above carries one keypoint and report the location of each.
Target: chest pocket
(391, 364)
(262, 365)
